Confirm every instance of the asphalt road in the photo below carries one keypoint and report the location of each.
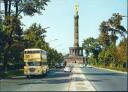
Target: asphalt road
(55, 80)
(104, 80)
(58, 80)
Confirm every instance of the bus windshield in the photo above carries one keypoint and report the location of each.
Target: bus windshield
(34, 63)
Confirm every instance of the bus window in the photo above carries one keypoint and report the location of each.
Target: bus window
(25, 52)
(31, 52)
(34, 63)
(36, 51)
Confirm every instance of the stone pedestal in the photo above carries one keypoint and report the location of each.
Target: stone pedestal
(75, 56)
(76, 51)
(76, 59)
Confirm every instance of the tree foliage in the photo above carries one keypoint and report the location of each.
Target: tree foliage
(13, 39)
(28, 7)
(104, 36)
(91, 45)
(110, 54)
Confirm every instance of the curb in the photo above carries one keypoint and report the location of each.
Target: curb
(111, 70)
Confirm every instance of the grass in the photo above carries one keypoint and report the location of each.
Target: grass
(113, 68)
(10, 74)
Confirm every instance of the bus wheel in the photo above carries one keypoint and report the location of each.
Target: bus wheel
(28, 76)
(46, 71)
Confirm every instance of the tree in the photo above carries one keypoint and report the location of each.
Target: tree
(121, 54)
(104, 37)
(12, 25)
(114, 24)
(28, 7)
(2, 35)
(54, 57)
(110, 55)
(35, 36)
(91, 45)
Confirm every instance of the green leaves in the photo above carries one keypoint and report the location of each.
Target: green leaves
(34, 36)
(104, 39)
(89, 44)
(12, 39)
(109, 29)
(108, 54)
(30, 7)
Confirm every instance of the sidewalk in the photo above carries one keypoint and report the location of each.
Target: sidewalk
(79, 82)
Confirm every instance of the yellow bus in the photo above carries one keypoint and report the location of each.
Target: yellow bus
(35, 62)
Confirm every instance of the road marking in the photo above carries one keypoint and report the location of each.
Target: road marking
(72, 86)
(69, 83)
(79, 82)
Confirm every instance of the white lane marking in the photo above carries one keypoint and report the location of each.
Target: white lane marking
(75, 83)
(87, 83)
(72, 83)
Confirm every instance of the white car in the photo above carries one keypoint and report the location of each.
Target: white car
(67, 69)
(89, 66)
(81, 66)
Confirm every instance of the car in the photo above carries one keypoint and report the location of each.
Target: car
(67, 69)
(57, 66)
(81, 66)
(89, 66)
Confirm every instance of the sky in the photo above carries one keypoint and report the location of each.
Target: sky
(59, 16)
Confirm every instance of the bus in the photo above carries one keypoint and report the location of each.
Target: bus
(35, 62)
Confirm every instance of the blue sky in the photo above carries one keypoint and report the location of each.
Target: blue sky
(59, 16)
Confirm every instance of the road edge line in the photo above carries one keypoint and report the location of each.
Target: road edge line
(69, 85)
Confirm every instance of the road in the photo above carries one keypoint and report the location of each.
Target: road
(104, 80)
(57, 80)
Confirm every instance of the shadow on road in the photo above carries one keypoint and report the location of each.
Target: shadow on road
(102, 74)
(53, 77)
(54, 73)
(50, 81)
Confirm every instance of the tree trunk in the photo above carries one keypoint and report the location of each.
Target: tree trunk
(6, 14)
(113, 38)
(9, 10)
(5, 62)
(6, 7)
(16, 9)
